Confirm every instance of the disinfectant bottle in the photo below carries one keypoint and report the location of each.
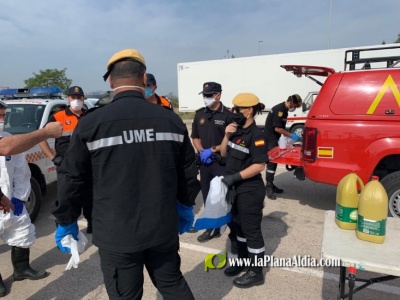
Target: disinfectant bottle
(372, 212)
(282, 142)
(347, 195)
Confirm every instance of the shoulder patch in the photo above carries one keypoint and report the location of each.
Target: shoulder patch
(280, 114)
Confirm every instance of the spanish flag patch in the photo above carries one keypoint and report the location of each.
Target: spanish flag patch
(258, 143)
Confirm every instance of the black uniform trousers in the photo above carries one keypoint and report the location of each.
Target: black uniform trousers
(123, 272)
(207, 173)
(247, 218)
(271, 167)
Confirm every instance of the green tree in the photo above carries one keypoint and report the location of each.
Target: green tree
(398, 39)
(49, 77)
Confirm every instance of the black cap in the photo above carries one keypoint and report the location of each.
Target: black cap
(151, 79)
(75, 90)
(211, 88)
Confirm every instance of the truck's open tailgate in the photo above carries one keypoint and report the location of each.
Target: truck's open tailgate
(290, 156)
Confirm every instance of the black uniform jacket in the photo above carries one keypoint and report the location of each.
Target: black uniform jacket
(209, 125)
(277, 117)
(138, 159)
(246, 146)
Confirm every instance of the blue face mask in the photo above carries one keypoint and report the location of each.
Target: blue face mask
(148, 92)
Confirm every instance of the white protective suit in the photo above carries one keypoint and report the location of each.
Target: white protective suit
(15, 182)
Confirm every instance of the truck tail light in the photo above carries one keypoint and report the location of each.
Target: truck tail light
(309, 152)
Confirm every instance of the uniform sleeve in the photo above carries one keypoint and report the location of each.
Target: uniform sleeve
(22, 178)
(74, 181)
(277, 120)
(195, 131)
(258, 149)
(188, 185)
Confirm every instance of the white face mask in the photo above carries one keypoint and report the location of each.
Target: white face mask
(76, 104)
(209, 101)
(292, 109)
(1, 128)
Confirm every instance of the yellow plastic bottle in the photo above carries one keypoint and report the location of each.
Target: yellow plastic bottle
(372, 212)
(347, 195)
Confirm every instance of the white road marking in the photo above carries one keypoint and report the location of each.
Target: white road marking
(303, 271)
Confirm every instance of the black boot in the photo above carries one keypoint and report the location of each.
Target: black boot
(249, 279)
(22, 269)
(242, 253)
(270, 190)
(3, 290)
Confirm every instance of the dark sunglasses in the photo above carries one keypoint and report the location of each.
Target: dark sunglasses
(237, 109)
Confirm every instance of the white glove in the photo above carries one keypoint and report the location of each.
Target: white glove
(76, 246)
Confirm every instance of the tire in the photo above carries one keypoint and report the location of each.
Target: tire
(35, 200)
(298, 129)
(391, 183)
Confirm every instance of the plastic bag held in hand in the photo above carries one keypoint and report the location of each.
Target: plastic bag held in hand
(76, 246)
(206, 156)
(18, 206)
(186, 217)
(295, 137)
(63, 231)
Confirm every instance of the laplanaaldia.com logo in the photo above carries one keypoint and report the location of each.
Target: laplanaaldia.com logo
(209, 261)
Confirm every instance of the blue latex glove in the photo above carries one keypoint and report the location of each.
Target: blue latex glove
(63, 231)
(206, 156)
(295, 137)
(186, 217)
(18, 206)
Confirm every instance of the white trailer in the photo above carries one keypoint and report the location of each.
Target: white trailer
(261, 75)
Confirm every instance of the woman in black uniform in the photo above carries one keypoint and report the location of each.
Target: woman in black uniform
(245, 150)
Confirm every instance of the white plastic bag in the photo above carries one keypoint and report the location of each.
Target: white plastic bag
(217, 212)
(76, 248)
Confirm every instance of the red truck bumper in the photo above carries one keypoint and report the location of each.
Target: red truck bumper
(289, 156)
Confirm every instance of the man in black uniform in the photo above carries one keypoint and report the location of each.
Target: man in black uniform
(208, 130)
(138, 159)
(275, 125)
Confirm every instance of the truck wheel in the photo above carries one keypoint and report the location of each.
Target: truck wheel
(298, 129)
(35, 200)
(391, 183)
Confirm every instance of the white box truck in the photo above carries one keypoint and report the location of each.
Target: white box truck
(261, 75)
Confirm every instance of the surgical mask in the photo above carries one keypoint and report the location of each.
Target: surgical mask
(209, 101)
(148, 92)
(76, 104)
(239, 119)
(292, 109)
(1, 128)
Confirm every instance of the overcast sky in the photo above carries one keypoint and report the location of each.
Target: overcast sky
(81, 35)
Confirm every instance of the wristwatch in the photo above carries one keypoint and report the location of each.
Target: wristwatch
(214, 149)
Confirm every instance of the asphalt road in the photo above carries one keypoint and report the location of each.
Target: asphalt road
(292, 225)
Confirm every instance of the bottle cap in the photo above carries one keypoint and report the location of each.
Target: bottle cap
(375, 177)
